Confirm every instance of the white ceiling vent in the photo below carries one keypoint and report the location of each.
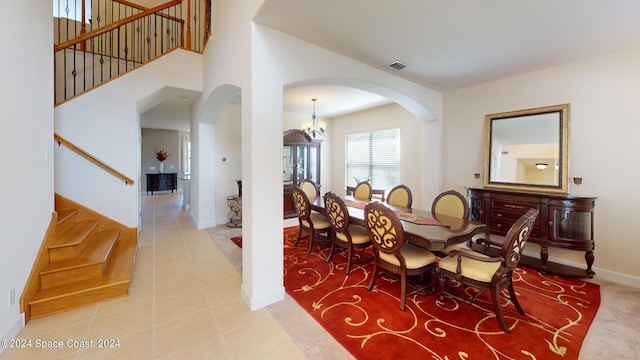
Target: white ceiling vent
(398, 65)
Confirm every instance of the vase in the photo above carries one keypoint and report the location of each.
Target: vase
(161, 167)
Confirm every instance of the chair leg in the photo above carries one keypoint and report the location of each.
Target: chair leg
(441, 282)
(495, 299)
(349, 256)
(299, 236)
(311, 237)
(373, 274)
(403, 290)
(333, 245)
(514, 299)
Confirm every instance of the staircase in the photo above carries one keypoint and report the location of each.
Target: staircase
(86, 259)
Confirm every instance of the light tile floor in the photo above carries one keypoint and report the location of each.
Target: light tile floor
(184, 303)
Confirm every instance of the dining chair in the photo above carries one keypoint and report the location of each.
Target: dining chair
(400, 196)
(391, 252)
(346, 235)
(310, 188)
(363, 191)
(490, 273)
(450, 203)
(314, 224)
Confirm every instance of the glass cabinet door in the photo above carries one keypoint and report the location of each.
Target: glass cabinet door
(287, 165)
(302, 152)
(571, 224)
(313, 164)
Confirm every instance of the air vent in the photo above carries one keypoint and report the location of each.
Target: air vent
(398, 65)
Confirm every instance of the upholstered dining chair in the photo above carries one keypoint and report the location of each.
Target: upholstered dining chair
(401, 196)
(490, 273)
(450, 203)
(391, 251)
(314, 224)
(363, 191)
(310, 188)
(346, 235)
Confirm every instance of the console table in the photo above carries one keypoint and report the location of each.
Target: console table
(564, 221)
(162, 182)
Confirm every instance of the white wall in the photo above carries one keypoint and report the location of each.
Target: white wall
(153, 139)
(26, 98)
(411, 152)
(604, 147)
(104, 122)
(260, 62)
(228, 146)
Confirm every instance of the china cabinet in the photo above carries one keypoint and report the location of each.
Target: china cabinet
(300, 161)
(564, 221)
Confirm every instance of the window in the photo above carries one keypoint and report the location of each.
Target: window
(373, 156)
(185, 155)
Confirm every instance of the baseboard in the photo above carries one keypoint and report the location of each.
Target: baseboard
(617, 277)
(257, 303)
(13, 331)
(203, 224)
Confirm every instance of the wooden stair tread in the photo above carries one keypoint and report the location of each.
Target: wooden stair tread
(75, 235)
(65, 214)
(118, 272)
(96, 252)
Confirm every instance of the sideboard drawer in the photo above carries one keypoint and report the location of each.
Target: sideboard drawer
(499, 214)
(501, 226)
(518, 207)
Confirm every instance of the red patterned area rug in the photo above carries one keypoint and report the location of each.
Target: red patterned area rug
(237, 240)
(371, 325)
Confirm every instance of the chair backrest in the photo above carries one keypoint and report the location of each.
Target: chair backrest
(337, 212)
(400, 196)
(517, 237)
(301, 203)
(450, 203)
(384, 228)
(310, 188)
(363, 191)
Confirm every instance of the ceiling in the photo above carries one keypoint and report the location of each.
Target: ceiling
(450, 44)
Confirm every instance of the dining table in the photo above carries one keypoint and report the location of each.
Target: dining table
(421, 227)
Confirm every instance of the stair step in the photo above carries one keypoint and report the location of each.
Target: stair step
(114, 283)
(70, 243)
(91, 263)
(66, 220)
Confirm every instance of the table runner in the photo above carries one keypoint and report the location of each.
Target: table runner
(412, 218)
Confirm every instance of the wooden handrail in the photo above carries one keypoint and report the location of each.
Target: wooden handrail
(93, 159)
(140, 7)
(115, 25)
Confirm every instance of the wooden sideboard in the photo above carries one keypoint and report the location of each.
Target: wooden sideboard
(162, 182)
(564, 221)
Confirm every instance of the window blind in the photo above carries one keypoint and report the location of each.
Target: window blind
(373, 156)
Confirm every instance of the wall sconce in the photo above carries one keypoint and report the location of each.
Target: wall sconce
(577, 180)
(541, 166)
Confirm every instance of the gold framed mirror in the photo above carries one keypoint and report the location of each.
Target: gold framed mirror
(528, 149)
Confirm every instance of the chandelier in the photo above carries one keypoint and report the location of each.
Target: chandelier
(314, 127)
